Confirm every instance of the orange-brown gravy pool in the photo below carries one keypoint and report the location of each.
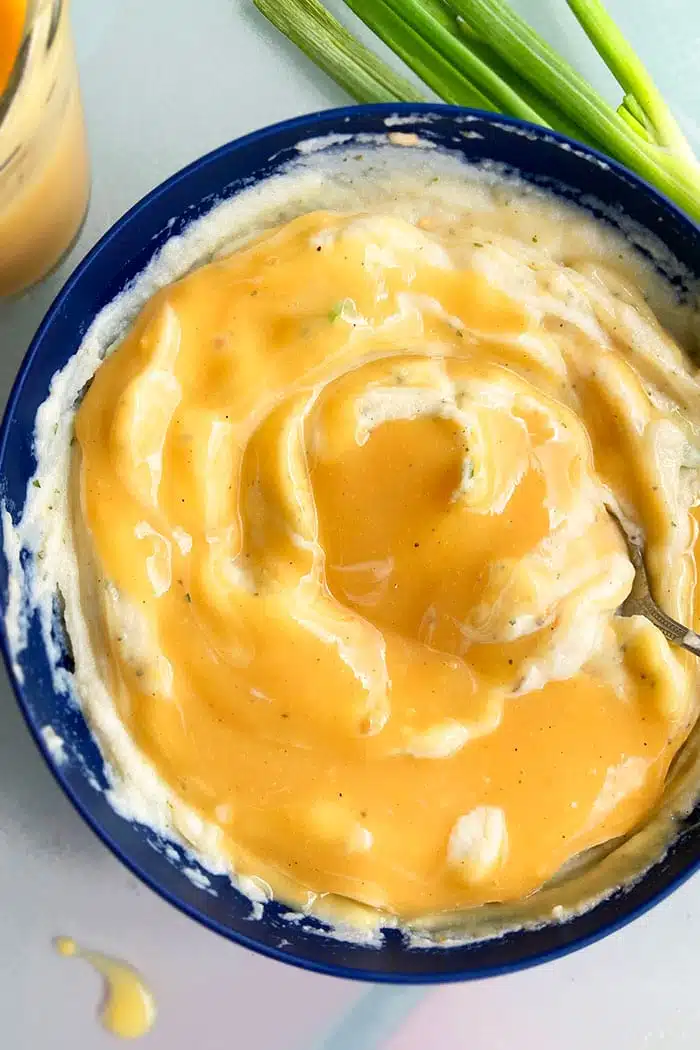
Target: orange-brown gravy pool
(357, 583)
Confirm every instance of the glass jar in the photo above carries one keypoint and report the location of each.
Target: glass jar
(44, 168)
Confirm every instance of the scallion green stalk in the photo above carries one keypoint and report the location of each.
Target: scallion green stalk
(448, 82)
(480, 53)
(631, 75)
(552, 115)
(630, 103)
(329, 45)
(524, 50)
(410, 26)
(633, 114)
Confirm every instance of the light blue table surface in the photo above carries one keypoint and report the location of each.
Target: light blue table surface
(165, 81)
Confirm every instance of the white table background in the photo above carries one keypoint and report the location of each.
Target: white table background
(165, 81)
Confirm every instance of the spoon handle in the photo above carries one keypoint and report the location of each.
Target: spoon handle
(674, 631)
(639, 602)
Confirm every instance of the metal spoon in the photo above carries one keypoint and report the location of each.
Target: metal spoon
(639, 601)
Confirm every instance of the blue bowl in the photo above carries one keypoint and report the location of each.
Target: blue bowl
(542, 158)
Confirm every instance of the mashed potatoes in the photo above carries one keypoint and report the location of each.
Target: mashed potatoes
(339, 574)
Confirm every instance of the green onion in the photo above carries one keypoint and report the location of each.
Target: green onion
(553, 117)
(480, 53)
(548, 113)
(420, 54)
(633, 114)
(630, 103)
(329, 45)
(440, 10)
(406, 25)
(631, 75)
(522, 48)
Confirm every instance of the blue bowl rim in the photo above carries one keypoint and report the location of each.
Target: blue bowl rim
(306, 123)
